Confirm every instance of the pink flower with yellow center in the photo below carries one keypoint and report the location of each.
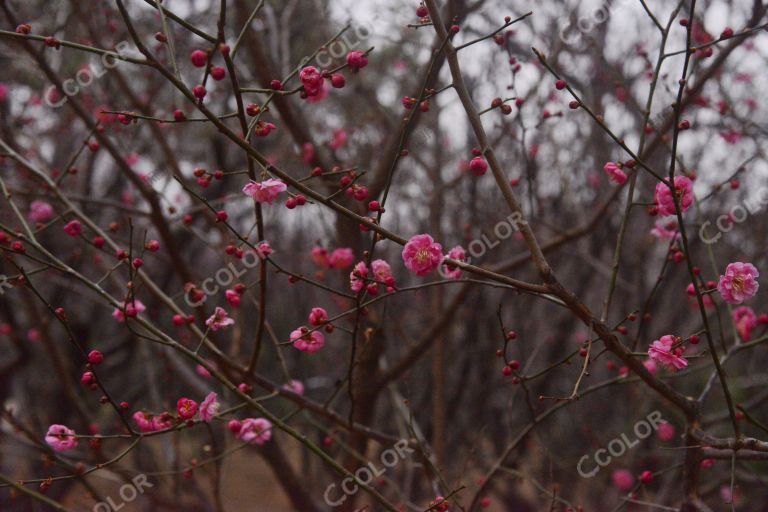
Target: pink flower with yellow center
(739, 283)
(422, 255)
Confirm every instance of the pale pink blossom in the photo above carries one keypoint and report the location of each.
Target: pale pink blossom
(265, 191)
(422, 254)
(666, 202)
(61, 438)
(357, 276)
(615, 173)
(295, 386)
(255, 431)
(341, 258)
(459, 254)
(382, 273)
(130, 309)
(219, 319)
(209, 407)
(318, 316)
(663, 353)
(746, 320)
(666, 230)
(307, 341)
(40, 211)
(739, 282)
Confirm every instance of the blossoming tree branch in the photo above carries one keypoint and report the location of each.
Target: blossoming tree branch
(404, 256)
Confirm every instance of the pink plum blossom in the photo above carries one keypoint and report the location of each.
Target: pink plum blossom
(40, 211)
(666, 230)
(739, 283)
(322, 93)
(130, 310)
(318, 316)
(459, 254)
(264, 250)
(186, 408)
(666, 202)
(209, 407)
(357, 60)
(151, 422)
(233, 298)
(312, 80)
(666, 431)
(422, 254)
(341, 258)
(357, 277)
(73, 228)
(219, 319)
(623, 480)
(255, 431)
(61, 438)
(265, 191)
(320, 257)
(615, 173)
(663, 353)
(202, 371)
(307, 341)
(295, 386)
(339, 139)
(746, 320)
(382, 273)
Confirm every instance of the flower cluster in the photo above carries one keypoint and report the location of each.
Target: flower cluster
(186, 409)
